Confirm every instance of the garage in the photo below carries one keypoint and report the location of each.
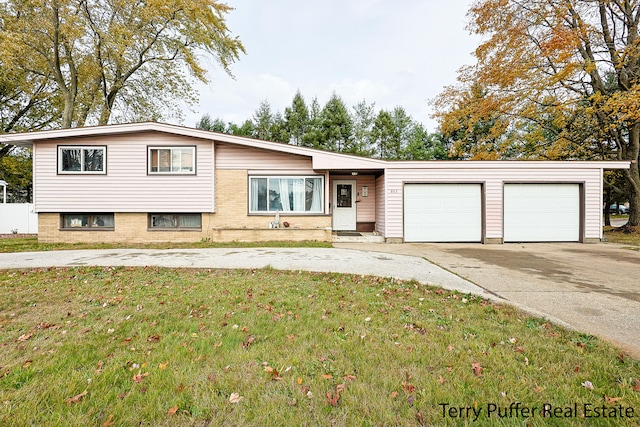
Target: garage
(442, 213)
(542, 212)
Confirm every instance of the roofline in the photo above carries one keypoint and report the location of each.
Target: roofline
(501, 164)
(28, 138)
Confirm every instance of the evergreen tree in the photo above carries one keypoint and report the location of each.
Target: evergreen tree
(296, 119)
(363, 118)
(263, 121)
(337, 126)
(313, 136)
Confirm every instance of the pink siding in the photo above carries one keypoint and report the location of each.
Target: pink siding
(238, 157)
(380, 205)
(493, 180)
(366, 206)
(126, 187)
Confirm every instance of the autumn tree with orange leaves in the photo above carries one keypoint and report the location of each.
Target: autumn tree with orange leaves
(554, 79)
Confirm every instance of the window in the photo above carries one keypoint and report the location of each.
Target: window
(81, 160)
(172, 160)
(173, 221)
(286, 194)
(88, 221)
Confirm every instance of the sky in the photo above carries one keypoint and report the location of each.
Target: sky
(400, 53)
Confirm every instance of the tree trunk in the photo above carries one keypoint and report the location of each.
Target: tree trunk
(607, 202)
(633, 176)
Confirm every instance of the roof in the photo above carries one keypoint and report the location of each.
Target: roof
(322, 160)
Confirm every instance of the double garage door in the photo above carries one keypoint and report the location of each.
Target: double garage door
(454, 212)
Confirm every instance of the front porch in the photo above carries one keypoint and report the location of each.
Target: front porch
(356, 237)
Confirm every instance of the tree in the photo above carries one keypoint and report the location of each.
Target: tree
(570, 58)
(363, 118)
(296, 119)
(105, 58)
(313, 136)
(246, 129)
(263, 121)
(336, 126)
(16, 170)
(213, 125)
(424, 146)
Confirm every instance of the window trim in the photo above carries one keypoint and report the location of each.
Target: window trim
(297, 213)
(150, 226)
(82, 163)
(89, 227)
(193, 149)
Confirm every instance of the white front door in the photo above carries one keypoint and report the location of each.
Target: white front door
(344, 205)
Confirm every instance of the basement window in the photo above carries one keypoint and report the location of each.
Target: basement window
(92, 221)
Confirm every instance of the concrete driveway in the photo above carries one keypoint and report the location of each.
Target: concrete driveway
(592, 288)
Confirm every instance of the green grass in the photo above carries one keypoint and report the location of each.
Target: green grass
(627, 237)
(153, 346)
(30, 244)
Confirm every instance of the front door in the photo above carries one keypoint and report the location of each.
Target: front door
(344, 205)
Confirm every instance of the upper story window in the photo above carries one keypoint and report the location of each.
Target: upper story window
(172, 160)
(292, 194)
(82, 159)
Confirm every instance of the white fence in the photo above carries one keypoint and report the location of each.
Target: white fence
(18, 218)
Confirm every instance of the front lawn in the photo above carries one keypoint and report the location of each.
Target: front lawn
(625, 236)
(152, 346)
(30, 244)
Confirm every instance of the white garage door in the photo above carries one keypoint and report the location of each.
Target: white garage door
(541, 212)
(442, 213)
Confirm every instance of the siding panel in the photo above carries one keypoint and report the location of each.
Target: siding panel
(125, 187)
(380, 205)
(237, 157)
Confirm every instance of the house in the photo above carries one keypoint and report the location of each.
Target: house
(152, 182)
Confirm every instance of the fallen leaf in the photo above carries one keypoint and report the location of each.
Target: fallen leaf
(409, 388)
(153, 338)
(137, 378)
(76, 398)
(393, 394)
(108, 422)
(27, 363)
(327, 376)
(611, 400)
(299, 380)
(519, 349)
(350, 377)
(248, 341)
(163, 366)
(340, 387)
(333, 399)
(24, 337)
(588, 385)
(410, 400)
(235, 397)
(212, 378)
(477, 369)
(173, 410)
(441, 379)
